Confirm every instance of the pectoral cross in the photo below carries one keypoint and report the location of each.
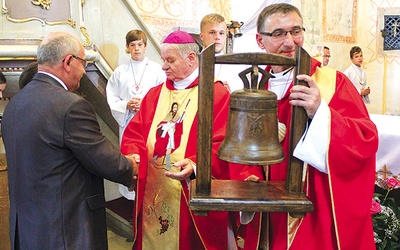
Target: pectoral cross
(395, 25)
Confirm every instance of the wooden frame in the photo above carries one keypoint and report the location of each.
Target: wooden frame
(232, 195)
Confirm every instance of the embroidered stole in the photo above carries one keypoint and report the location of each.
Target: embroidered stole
(162, 195)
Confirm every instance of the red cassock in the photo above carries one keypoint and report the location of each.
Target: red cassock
(341, 198)
(195, 232)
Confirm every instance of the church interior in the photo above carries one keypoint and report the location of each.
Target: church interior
(373, 25)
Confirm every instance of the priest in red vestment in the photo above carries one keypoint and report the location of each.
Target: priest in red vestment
(339, 146)
(162, 136)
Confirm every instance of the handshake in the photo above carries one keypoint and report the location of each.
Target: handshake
(135, 159)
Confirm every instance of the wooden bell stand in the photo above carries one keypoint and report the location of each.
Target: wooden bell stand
(208, 194)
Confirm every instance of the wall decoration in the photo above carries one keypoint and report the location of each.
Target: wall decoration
(311, 21)
(44, 4)
(339, 21)
(45, 11)
(175, 7)
(163, 16)
(148, 6)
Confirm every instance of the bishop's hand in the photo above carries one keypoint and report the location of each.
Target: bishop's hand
(187, 169)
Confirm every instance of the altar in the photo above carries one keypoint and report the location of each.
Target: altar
(388, 155)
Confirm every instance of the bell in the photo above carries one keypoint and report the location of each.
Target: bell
(234, 28)
(237, 33)
(252, 131)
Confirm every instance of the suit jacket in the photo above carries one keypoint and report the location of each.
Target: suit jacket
(57, 159)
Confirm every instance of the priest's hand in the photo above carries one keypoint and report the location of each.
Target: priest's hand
(187, 169)
(307, 97)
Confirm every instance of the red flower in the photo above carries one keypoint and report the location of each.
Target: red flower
(392, 182)
(375, 207)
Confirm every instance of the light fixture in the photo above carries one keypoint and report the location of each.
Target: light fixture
(233, 31)
(234, 28)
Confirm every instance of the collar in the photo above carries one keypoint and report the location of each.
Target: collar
(183, 84)
(55, 77)
(135, 63)
(280, 74)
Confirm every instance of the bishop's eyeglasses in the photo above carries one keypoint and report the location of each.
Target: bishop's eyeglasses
(280, 34)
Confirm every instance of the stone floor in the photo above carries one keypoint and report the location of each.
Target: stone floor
(4, 205)
(117, 242)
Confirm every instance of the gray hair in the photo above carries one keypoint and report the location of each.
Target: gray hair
(185, 48)
(53, 49)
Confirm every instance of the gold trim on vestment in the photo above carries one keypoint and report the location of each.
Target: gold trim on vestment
(325, 78)
(330, 90)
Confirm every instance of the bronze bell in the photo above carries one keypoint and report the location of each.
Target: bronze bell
(252, 130)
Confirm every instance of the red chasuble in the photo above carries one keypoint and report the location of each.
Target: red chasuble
(341, 198)
(177, 226)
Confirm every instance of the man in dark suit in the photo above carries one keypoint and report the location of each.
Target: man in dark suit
(57, 156)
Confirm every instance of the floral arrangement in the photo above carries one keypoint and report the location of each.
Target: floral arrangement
(386, 217)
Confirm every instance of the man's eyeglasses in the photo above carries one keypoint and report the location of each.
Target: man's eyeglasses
(326, 56)
(280, 34)
(83, 61)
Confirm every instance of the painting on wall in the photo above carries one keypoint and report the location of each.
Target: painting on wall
(339, 21)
